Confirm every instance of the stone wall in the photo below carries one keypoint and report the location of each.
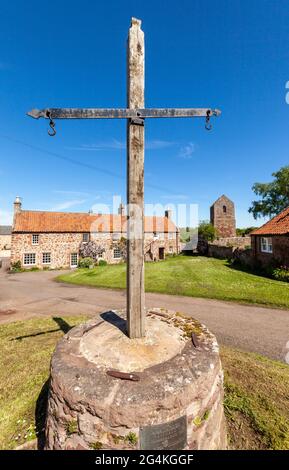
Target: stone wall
(222, 252)
(62, 245)
(236, 242)
(90, 409)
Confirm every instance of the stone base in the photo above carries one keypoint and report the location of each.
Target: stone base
(175, 401)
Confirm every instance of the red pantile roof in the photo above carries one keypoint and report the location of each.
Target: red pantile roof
(53, 222)
(279, 225)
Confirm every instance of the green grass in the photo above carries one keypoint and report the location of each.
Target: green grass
(193, 276)
(25, 352)
(256, 388)
(256, 401)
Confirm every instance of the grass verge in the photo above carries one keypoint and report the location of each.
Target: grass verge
(194, 276)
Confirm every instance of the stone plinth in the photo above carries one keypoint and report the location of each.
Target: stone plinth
(175, 403)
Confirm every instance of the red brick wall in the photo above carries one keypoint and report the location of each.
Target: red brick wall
(280, 255)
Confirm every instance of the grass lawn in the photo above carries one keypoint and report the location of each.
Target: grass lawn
(194, 276)
(256, 388)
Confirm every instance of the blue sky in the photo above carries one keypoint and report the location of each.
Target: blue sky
(231, 55)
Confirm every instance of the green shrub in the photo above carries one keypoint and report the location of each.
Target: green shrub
(85, 262)
(102, 262)
(16, 267)
(281, 274)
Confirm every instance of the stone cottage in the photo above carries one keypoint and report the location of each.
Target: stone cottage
(222, 215)
(270, 243)
(53, 239)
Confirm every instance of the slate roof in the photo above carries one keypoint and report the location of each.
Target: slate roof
(279, 225)
(5, 229)
(75, 222)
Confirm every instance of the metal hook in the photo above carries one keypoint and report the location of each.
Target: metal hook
(208, 125)
(51, 125)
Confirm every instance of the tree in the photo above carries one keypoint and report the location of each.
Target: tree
(274, 196)
(91, 250)
(207, 231)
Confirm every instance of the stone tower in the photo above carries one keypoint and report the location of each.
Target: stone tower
(223, 217)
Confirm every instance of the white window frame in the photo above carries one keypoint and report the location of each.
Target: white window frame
(85, 235)
(119, 253)
(29, 254)
(171, 235)
(73, 265)
(36, 235)
(45, 255)
(171, 250)
(266, 245)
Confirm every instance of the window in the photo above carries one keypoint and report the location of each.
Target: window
(85, 237)
(171, 235)
(266, 245)
(46, 258)
(224, 209)
(35, 239)
(156, 236)
(116, 253)
(171, 249)
(116, 236)
(29, 259)
(73, 260)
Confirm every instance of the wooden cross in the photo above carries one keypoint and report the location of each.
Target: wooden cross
(135, 113)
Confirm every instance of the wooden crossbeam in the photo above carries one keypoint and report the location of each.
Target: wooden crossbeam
(98, 113)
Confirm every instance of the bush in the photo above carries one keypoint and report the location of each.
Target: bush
(281, 274)
(16, 267)
(85, 262)
(102, 262)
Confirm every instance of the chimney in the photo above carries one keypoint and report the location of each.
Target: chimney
(17, 205)
(90, 211)
(168, 214)
(121, 209)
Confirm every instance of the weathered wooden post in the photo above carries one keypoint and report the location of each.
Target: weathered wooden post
(123, 392)
(135, 183)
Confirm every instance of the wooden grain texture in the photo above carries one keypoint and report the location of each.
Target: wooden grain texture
(135, 184)
(119, 113)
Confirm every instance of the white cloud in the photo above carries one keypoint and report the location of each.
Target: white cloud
(187, 151)
(6, 217)
(115, 144)
(67, 204)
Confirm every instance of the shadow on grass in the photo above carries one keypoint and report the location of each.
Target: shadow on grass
(63, 326)
(40, 415)
(267, 274)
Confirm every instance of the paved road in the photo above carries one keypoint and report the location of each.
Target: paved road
(262, 330)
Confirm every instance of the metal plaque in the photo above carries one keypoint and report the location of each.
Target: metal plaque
(167, 436)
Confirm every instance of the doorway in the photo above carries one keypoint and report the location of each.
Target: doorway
(161, 253)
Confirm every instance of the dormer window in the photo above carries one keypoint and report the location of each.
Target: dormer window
(35, 239)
